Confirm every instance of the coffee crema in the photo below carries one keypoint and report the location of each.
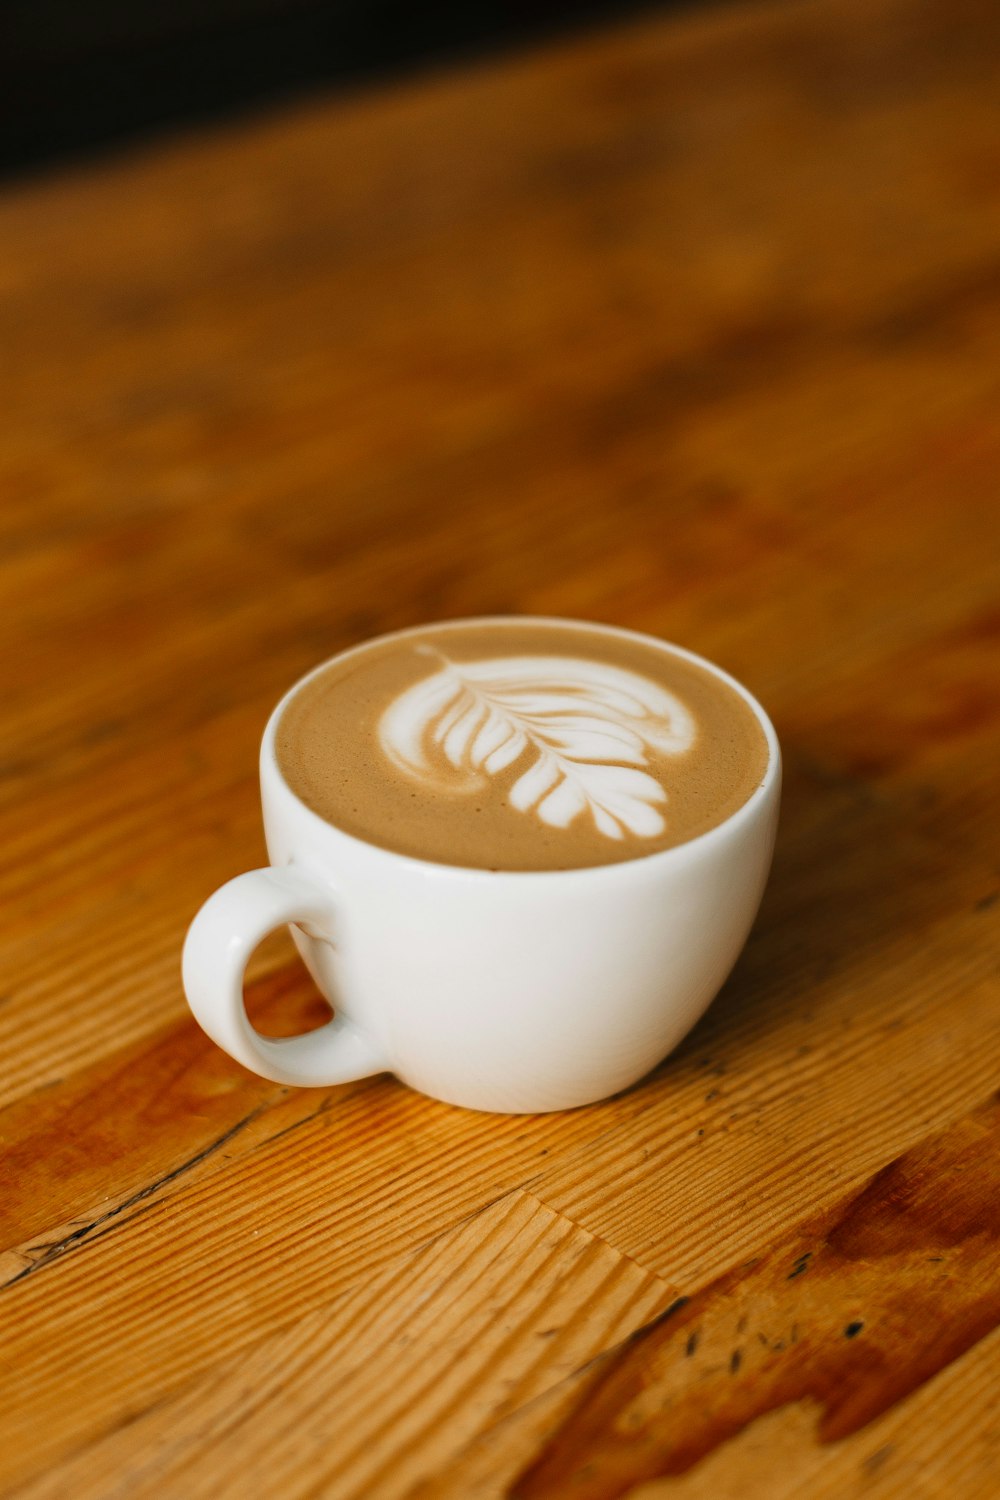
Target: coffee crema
(520, 745)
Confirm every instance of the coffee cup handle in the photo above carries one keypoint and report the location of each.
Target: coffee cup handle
(221, 939)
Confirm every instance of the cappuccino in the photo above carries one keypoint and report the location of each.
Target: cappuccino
(509, 744)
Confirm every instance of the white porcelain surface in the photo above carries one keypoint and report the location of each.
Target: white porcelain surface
(514, 991)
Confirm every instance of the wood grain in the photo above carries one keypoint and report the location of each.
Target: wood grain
(692, 326)
(800, 1323)
(474, 1324)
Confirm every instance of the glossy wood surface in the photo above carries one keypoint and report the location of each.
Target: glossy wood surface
(694, 327)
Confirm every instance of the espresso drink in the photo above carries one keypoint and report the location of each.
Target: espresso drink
(520, 745)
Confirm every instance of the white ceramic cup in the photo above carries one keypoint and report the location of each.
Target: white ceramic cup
(518, 991)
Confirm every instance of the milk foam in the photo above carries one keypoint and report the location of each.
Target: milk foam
(512, 744)
(584, 731)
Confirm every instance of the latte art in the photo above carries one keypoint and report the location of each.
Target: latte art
(576, 730)
(520, 745)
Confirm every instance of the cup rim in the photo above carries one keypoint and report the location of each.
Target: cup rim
(675, 854)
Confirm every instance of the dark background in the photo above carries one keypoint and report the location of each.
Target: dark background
(78, 77)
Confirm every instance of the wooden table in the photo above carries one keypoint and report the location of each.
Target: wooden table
(693, 327)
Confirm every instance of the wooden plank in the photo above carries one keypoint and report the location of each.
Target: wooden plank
(843, 1314)
(121, 1313)
(820, 1367)
(941, 1440)
(372, 1391)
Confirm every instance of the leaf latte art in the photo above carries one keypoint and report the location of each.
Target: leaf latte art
(520, 744)
(580, 732)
